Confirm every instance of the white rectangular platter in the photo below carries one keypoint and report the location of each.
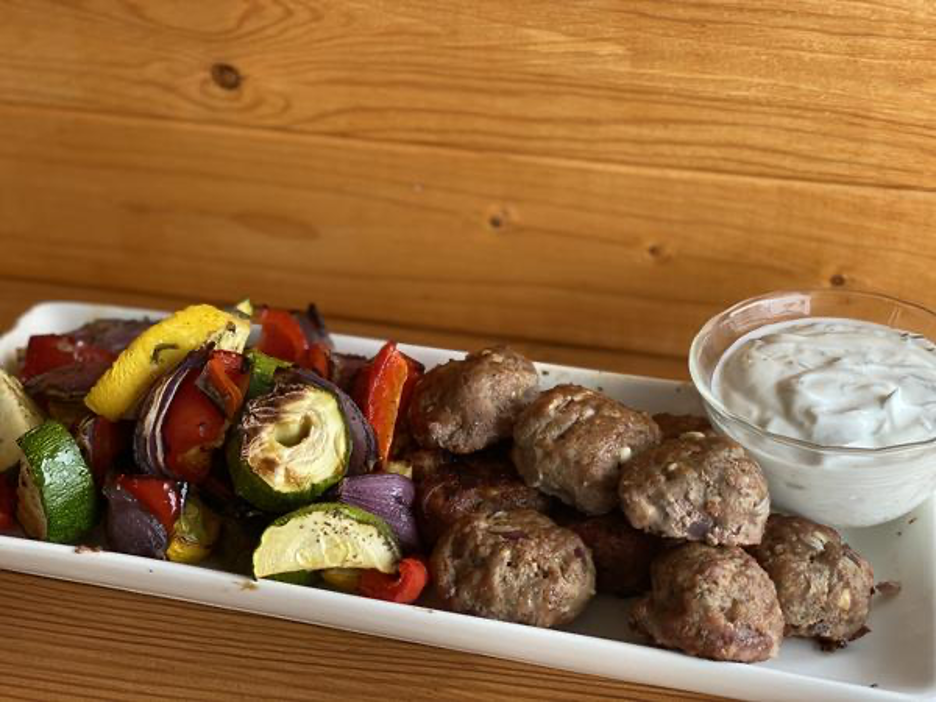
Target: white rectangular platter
(897, 661)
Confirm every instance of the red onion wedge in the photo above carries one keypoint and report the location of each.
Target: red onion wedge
(313, 326)
(130, 526)
(388, 496)
(149, 446)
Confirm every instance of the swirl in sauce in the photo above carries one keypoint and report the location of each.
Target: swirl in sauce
(833, 382)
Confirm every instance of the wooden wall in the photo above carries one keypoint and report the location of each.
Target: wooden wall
(591, 178)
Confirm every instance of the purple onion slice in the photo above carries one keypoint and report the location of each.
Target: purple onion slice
(66, 383)
(390, 497)
(344, 369)
(112, 335)
(149, 445)
(313, 326)
(130, 527)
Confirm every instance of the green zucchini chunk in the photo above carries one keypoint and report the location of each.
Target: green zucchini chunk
(18, 414)
(291, 446)
(326, 535)
(57, 497)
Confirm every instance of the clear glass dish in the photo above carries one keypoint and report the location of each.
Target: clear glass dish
(842, 486)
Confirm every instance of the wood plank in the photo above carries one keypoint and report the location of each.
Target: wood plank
(534, 250)
(807, 89)
(16, 296)
(107, 644)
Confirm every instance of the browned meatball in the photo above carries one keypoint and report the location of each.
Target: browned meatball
(344, 369)
(571, 443)
(713, 603)
(465, 406)
(673, 426)
(697, 487)
(622, 554)
(513, 566)
(477, 483)
(823, 585)
(426, 462)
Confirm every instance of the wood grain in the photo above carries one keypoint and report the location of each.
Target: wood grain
(586, 255)
(99, 644)
(807, 89)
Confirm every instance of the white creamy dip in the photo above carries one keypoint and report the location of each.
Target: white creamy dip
(834, 382)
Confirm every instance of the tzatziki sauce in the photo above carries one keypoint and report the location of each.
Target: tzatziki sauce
(832, 382)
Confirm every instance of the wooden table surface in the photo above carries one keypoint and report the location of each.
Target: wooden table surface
(61, 640)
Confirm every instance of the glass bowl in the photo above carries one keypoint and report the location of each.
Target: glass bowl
(841, 486)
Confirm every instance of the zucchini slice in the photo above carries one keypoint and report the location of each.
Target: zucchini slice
(326, 535)
(57, 497)
(262, 368)
(291, 446)
(18, 414)
(306, 578)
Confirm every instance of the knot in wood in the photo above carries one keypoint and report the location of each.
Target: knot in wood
(226, 76)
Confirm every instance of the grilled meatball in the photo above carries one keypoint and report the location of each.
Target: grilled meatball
(697, 487)
(465, 406)
(823, 585)
(673, 426)
(426, 462)
(622, 554)
(713, 603)
(513, 566)
(345, 368)
(477, 483)
(571, 443)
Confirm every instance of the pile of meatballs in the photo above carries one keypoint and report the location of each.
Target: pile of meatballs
(536, 500)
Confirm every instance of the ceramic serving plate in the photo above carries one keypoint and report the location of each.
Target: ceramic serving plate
(895, 662)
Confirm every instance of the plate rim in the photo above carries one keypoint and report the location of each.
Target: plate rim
(687, 673)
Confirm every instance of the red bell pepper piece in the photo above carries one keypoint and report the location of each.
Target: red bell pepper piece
(45, 352)
(161, 498)
(379, 394)
(194, 426)
(316, 358)
(282, 337)
(7, 501)
(405, 587)
(230, 376)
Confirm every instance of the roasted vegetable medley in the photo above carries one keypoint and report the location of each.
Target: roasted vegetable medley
(183, 438)
(245, 436)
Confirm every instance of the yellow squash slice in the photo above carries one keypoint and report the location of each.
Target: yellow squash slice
(160, 349)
